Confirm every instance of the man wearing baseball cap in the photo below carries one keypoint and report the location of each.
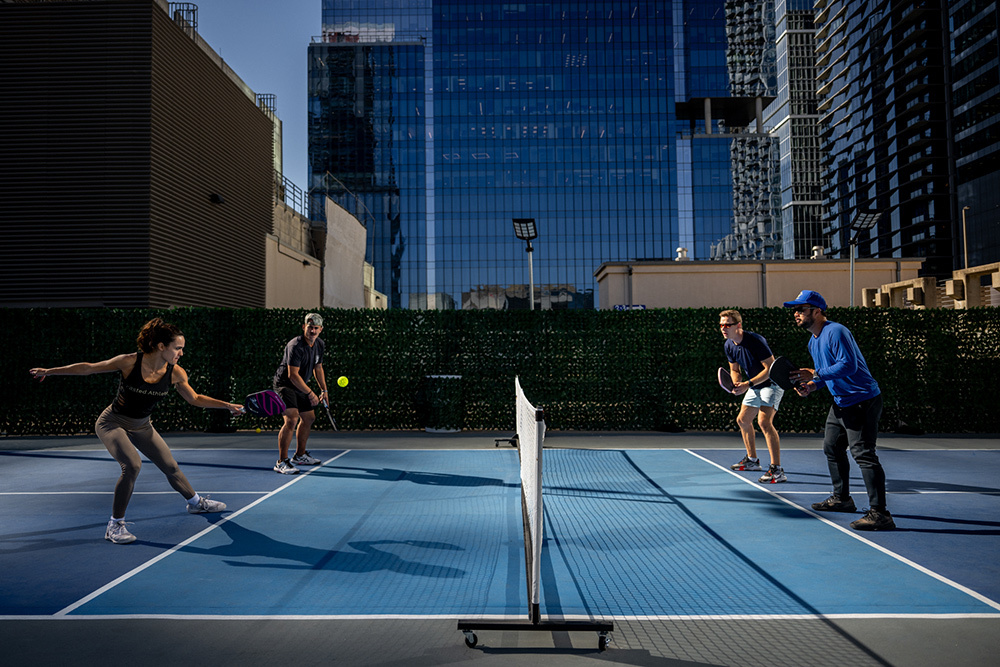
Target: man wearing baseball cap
(853, 419)
(301, 361)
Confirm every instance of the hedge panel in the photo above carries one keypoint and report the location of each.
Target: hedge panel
(589, 370)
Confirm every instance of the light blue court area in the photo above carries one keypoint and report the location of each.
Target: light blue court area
(370, 533)
(633, 533)
(666, 533)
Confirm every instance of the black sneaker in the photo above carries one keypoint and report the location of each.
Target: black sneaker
(835, 504)
(874, 520)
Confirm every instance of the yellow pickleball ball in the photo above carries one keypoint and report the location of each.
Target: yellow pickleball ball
(258, 430)
(342, 381)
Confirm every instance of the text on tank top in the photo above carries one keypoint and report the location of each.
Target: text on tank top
(136, 398)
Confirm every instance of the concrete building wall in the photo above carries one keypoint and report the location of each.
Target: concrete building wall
(344, 259)
(742, 284)
(293, 277)
(293, 229)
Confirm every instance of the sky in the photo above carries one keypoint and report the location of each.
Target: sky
(265, 43)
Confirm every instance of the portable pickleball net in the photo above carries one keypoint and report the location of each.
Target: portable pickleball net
(529, 441)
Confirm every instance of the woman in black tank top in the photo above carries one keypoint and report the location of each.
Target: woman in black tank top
(145, 378)
(136, 398)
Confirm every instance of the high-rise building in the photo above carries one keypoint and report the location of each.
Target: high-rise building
(794, 122)
(883, 105)
(975, 94)
(137, 167)
(750, 55)
(438, 122)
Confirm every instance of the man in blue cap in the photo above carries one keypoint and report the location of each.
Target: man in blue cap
(853, 419)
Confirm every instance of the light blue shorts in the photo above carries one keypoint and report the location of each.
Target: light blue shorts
(768, 397)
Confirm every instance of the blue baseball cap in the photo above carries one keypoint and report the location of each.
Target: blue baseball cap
(807, 297)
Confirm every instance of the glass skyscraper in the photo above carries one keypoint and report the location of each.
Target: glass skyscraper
(756, 229)
(884, 111)
(975, 93)
(794, 120)
(437, 122)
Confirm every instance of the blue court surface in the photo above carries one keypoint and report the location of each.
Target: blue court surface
(389, 533)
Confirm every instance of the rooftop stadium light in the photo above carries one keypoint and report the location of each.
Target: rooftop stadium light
(863, 220)
(524, 229)
(965, 239)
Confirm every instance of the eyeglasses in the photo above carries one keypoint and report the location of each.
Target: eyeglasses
(726, 326)
(802, 309)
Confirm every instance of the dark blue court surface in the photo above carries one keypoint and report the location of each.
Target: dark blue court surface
(431, 533)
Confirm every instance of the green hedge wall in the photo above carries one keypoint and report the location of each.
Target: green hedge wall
(589, 370)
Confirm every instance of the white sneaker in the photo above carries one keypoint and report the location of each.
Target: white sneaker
(118, 533)
(285, 467)
(774, 475)
(305, 460)
(206, 505)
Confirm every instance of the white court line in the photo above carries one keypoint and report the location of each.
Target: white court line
(111, 493)
(915, 492)
(931, 493)
(140, 568)
(499, 617)
(920, 568)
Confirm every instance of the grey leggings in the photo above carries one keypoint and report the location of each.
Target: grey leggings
(125, 437)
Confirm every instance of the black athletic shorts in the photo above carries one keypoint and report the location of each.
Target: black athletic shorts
(294, 398)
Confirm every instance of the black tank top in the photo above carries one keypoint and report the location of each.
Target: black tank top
(136, 397)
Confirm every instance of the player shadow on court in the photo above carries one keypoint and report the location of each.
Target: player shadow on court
(103, 456)
(367, 557)
(47, 540)
(917, 486)
(903, 528)
(95, 455)
(801, 510)
(416, 477)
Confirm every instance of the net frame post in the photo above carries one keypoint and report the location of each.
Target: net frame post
(531, 436)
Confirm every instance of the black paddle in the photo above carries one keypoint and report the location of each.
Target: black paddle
(780, 371)
(725, 379)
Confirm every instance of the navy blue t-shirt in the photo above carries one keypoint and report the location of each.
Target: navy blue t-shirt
(748, 354)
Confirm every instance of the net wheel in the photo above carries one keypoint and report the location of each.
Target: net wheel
(471, 639)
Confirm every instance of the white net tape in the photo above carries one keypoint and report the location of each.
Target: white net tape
(530, 435)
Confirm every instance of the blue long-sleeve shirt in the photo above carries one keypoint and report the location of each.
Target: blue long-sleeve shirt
(840, 365)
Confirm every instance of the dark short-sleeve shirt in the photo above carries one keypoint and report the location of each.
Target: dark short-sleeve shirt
(749, 355)
(299, 354)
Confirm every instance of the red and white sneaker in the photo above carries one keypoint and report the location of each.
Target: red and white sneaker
(774, 475)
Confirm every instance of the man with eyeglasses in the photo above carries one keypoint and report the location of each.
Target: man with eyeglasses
(749, 351)
(852, 422)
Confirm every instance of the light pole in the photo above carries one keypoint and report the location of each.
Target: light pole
(524, 229)
(863, 220)
(965, 238)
